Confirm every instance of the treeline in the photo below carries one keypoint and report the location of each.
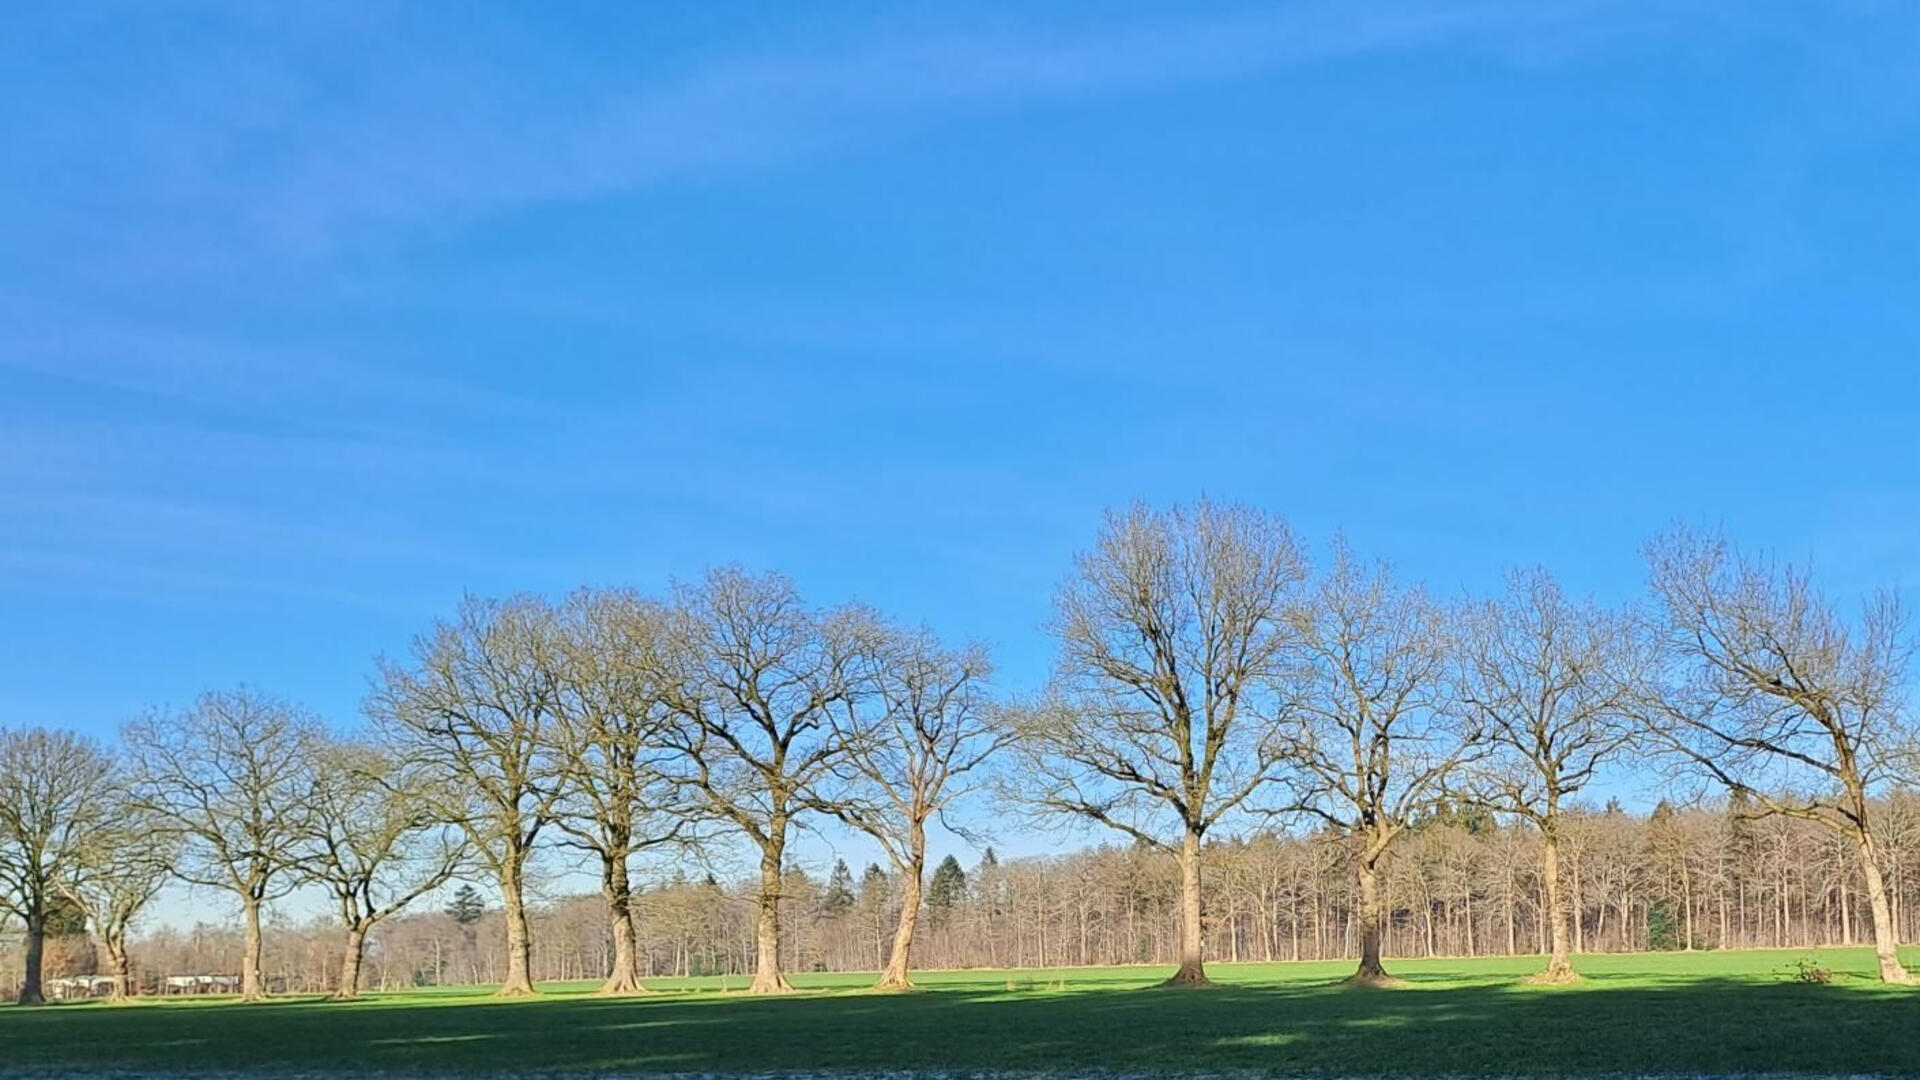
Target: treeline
(1463, 885)
(1301, 760)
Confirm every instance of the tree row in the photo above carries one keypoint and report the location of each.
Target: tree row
(1209, 682)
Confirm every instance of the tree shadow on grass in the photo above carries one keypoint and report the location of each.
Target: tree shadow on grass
(1604, 1028)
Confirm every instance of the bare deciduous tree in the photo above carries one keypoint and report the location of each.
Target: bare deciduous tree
(613, 717)
(374, 842)
(471, 718)
(1550, 683)
(761, 678)
(910, 757)
(1173, 639)
(1373, 741)
(1777, 698)
(229, 777)
(54, 793)
(121, 870)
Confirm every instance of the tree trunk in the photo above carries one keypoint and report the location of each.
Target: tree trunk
(1193, 966)
(1513, 940)
(252, 985)
(1576, 908)
(519, 980)
(350, 964)
(1686, 903)
(1559, 953)
(122, 964)
(618, 890)
(1370, 972)
(895, 977)
(767, 976)
(1885, 940)
(30, 984)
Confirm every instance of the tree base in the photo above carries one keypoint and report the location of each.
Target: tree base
(1554, 977)
(1373, 980)
(621, 988)
(895, 986)
(767, 987)
(510, 992)
(1189, 978)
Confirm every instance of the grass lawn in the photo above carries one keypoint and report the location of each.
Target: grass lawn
(1739, 1012)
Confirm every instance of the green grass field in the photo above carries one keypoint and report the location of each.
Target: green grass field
(1715, 1013)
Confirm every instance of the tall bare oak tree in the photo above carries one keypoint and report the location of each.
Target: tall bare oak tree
(374, 842)
(613, 714)
(1776, 697)
(911, 754)
(762, 676)
(471, 718)
(230, 777)
(122, 868)
(54, 791)
(1173, 642)
(1372, 742)
(1551, 684)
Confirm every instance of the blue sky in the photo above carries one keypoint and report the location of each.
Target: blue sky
(314, 316)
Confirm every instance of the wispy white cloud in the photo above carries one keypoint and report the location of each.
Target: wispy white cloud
(247, 379)
(201, 528)
(62, 572)
(295, 151)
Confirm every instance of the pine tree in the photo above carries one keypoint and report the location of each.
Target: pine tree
(945, 891)
(1670, 918)
(465, 908)
(995, 891)
(875, 887)
(1739, 854)
(839, 895)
